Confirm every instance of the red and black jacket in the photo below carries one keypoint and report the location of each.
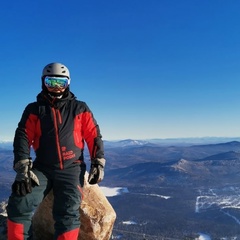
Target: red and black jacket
(57, 130)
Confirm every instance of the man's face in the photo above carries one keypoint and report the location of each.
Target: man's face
(56, 90)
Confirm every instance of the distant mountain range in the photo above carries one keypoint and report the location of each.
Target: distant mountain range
(6, 144)
(153, 142)
(170, 141)
(157, 165)
(201, 180)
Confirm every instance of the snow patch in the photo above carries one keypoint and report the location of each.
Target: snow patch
(203, 237)
(111, 192)
(157, 195)
(129, 222)
(221, 199)
(3, 210)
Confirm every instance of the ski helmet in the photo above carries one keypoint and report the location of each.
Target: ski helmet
(55, 69)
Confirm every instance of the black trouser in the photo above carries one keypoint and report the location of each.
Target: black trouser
(66, 192)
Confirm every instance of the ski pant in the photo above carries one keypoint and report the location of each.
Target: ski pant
(67, 197)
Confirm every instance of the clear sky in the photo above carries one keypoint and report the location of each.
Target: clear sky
(146, 68)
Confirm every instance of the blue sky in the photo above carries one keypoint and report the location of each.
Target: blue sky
(146, 68)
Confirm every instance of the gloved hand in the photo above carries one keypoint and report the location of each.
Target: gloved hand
(25, 178)
(96, 173)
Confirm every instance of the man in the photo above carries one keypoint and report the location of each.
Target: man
(56, 126)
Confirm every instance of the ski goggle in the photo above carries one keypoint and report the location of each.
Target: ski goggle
(56, 82)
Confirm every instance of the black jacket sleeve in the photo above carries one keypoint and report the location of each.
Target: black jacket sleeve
(24, 134)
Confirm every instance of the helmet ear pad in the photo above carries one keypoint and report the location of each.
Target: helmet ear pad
(43, 85)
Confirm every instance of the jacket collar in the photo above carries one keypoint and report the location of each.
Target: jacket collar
(44, 97)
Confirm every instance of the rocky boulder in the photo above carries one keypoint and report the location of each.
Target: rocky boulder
(97, 216)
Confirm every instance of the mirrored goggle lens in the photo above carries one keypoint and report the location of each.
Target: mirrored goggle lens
(56, 82)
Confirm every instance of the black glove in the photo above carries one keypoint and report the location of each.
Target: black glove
(25, 178)
(96, 173)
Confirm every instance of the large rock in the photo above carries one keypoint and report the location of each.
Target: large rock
(97, 216)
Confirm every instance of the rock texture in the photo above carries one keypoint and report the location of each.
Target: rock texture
(97, 216)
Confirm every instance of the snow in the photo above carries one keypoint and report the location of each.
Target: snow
(222, 199)
(3, 211)
(111, 192)
(129, 222)
(160, 196)
(204, 237)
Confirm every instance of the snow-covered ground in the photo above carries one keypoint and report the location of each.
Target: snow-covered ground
(111, 192)
(3, 211)
(203, 237)
(222, 199)
(129, 223)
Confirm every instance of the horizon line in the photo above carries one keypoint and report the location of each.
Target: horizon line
(146, 139)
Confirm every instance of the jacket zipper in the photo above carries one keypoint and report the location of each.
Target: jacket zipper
(59, 116)
(56, 118)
